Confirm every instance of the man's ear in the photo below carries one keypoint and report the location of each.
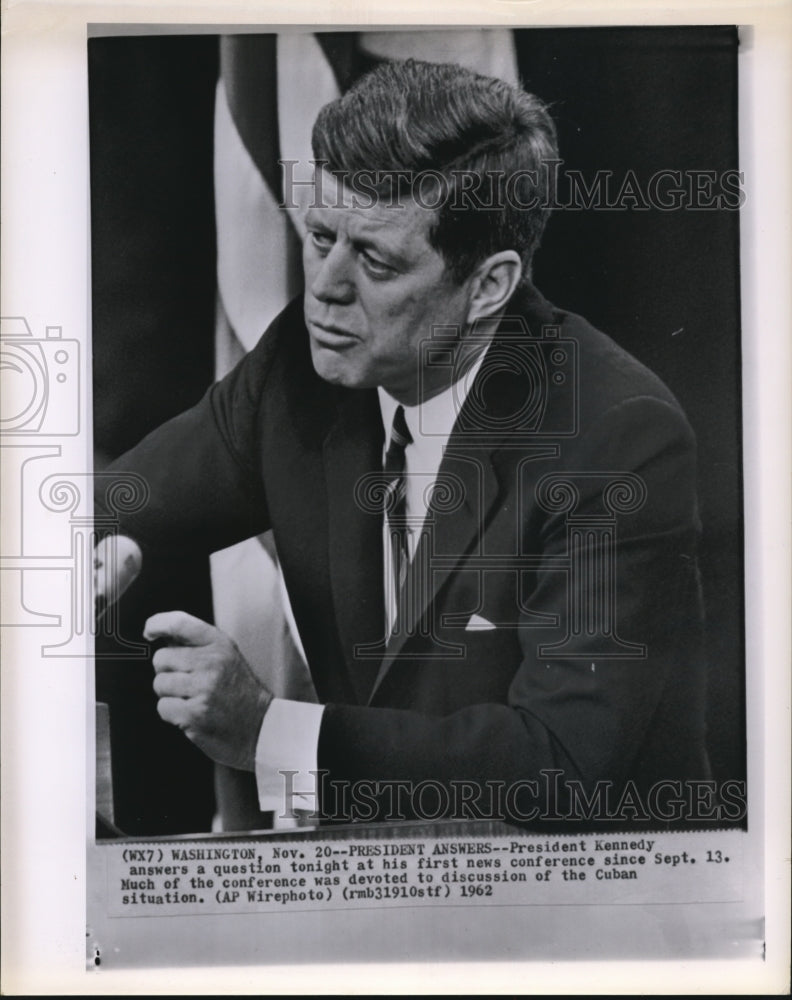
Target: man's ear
(493, 284)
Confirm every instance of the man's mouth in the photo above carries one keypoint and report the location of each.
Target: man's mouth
(329, 335)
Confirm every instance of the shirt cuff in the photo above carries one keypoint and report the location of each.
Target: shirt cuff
(287, 756)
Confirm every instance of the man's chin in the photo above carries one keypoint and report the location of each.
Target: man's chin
(332, 367)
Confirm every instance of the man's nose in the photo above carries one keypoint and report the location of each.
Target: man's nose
(333, 281)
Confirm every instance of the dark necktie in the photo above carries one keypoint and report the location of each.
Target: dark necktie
(395, 497)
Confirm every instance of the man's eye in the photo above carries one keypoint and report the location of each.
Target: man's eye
(377, 267)
(322, 241)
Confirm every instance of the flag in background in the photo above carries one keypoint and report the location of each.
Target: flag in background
(270, 90)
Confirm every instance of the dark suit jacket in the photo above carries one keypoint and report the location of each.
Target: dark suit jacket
(565, 516)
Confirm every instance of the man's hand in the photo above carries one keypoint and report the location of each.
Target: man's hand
(206, 687)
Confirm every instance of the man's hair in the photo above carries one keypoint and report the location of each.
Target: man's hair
(448, 129)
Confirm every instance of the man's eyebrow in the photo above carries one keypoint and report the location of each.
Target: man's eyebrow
(376, 239)
(313, 218)
(384, 249)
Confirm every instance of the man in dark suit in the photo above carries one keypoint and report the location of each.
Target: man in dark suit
(485, 510)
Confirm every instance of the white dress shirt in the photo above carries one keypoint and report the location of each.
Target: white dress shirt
(289, 736)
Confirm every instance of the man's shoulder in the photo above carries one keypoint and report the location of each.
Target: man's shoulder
(610, 367)
(286, 333)
(281, 359)
(600, 372)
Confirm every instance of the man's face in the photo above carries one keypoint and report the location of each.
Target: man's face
(374, 288)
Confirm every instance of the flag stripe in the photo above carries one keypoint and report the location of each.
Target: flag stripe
(249, 73)
(258, 253)
(306, 82)
(345, 56)
(487, 51)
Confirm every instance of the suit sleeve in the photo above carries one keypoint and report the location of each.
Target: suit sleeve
(196, 473)
(585, 713)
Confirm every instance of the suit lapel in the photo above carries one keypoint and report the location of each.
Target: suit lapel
(353, 448)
